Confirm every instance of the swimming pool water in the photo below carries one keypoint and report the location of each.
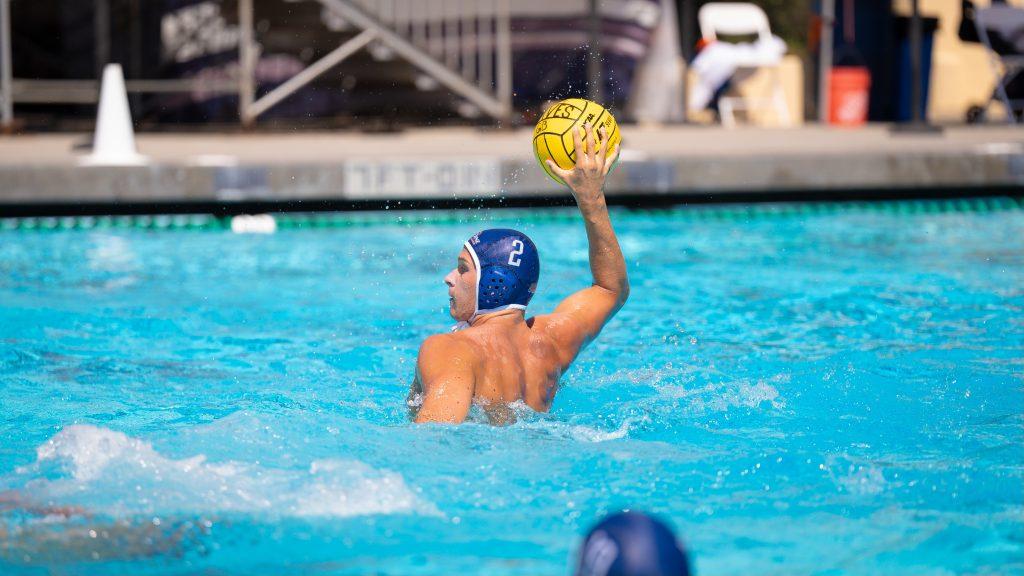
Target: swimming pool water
(817, 393)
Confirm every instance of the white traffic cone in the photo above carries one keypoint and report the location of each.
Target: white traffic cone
(114, 142)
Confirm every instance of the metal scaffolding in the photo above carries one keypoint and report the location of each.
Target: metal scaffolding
(458, 50)
(467, 51)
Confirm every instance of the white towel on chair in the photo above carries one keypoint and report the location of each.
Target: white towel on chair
(718, 61)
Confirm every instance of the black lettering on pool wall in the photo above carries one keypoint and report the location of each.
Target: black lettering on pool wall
(446, 177)
(410, 176)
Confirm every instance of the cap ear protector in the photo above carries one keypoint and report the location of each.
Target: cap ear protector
(508, 268)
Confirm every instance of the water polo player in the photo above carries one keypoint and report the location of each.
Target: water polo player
(495, 355)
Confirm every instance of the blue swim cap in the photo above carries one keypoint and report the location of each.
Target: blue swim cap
(507, 269)
(632, 544)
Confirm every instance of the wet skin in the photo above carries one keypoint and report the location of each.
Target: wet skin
(504, 357)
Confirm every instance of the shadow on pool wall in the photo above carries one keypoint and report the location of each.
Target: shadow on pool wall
(725, 199)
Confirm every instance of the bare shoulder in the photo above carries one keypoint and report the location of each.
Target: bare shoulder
(440, 349)
(446, 373)
(560, 332)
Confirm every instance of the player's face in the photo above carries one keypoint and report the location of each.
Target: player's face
(462, 288)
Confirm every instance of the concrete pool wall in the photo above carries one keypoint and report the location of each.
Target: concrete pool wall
(452, 165)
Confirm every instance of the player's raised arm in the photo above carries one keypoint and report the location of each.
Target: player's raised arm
(580, 317)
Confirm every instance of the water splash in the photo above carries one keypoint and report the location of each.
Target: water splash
(582, 432)
(115, 474)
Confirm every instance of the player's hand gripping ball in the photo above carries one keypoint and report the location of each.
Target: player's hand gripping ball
(552, 138)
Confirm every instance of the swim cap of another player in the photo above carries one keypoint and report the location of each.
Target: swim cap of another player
(632, 544)
(507, 267)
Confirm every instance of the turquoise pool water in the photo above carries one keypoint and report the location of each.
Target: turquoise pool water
(796, 393)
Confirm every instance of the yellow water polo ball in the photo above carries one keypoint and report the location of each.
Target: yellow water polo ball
(552, 137)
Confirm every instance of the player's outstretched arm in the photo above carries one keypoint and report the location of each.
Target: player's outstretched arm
(444, 373)
(580, 317)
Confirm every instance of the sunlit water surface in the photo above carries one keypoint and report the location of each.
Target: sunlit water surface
(836, 393)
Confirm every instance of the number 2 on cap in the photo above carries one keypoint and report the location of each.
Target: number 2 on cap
(513, 257)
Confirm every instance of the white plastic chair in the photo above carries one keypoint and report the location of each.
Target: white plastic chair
(744, 19)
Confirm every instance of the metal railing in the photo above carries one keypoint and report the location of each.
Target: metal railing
(464, 45)
(6, 90)
(1004, 67)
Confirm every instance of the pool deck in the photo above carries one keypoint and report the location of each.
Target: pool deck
(456, 165)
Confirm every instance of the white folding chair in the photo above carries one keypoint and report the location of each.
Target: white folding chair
(743, 19)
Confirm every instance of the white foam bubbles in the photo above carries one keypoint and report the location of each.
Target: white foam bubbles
(588, 434)
(86, 451)
(113, 473)
(581, 432)
(855, 477)
(340, 488)
(741, 394)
